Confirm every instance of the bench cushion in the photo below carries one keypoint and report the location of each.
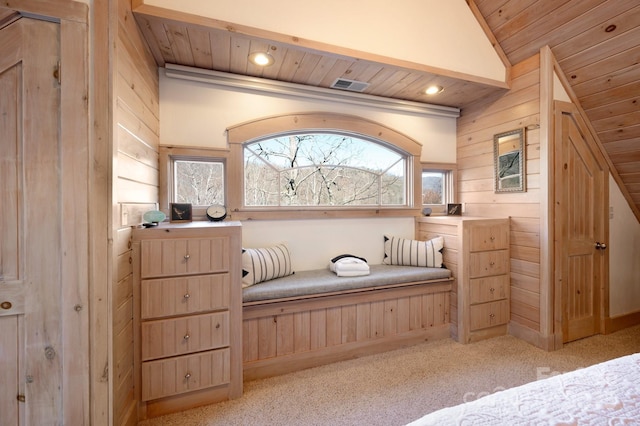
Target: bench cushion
(319, 281)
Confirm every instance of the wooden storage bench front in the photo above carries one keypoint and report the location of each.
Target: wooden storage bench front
(285, 335)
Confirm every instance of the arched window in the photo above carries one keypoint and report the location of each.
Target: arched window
(323, 169)
(321, 165)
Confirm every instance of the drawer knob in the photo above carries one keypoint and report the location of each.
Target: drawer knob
(186, 296)
(492, 289)
(218, 325)
(186, 257)
(492, 238)
(492, 315)
(187, 376)
(492, 263)
(186, 336)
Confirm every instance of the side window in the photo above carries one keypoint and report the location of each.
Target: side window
(437, 188)
(197, 176)
(319, 169)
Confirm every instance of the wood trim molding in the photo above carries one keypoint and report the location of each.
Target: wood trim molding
(244, 132)
(534, 337)
(549, 316)
(621, 322)
(80, 329)
(439, 166)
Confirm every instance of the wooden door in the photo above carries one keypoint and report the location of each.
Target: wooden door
(30, 222)
(580, 214)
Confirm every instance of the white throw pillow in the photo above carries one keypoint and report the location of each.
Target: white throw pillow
(402, 251)
(263, 264)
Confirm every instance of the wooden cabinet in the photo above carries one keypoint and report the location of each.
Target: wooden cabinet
(188, 306)
(477, 252)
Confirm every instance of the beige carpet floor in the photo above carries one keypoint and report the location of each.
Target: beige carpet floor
(397, 387)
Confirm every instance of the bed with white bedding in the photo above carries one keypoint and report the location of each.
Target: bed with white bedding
(602, 394)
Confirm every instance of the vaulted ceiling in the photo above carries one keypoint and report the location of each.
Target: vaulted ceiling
(596, 42)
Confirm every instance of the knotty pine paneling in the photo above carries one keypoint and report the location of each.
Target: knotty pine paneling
(131, 145)
(135, 151)
(520, 107)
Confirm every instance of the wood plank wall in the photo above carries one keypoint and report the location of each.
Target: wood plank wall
(135, 181)
(518, 108)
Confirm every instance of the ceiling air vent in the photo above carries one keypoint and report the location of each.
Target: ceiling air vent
(352, 85)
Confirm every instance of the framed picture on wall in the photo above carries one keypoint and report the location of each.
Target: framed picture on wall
(509, 161)
(180, 212)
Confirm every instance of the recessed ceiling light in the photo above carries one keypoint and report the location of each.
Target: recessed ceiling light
(263, 59)
(433, 90)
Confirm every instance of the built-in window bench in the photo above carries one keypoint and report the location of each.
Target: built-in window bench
(315, 317)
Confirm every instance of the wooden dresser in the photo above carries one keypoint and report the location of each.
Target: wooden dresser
(188, 312)
(477, 252)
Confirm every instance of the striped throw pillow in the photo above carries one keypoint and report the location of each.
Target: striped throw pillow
(402, 251)
(263, 264)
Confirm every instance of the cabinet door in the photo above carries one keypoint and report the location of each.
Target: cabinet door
(487, 263)
(184, 256)
(185, 295)
(172, 376)
(488, 237)
(488, 289)
(177, 336)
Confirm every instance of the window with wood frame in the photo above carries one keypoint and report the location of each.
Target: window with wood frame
(438, 186)
(319, 165)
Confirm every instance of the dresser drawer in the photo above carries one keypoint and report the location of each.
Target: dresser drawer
(488, 237)
(488, 289)
(487, 263)
(186, 295)
(184, 256)
(182, 374)
(488, 314)
(178, 336)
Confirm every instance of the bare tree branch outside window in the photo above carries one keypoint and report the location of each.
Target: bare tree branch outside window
(323, 169)
(200, 183)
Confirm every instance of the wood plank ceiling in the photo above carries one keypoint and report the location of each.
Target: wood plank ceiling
(596, 42)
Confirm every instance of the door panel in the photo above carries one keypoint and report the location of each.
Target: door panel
(582, 204)
(30, 284)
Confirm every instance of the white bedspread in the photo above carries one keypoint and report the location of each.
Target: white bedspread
(603, 394)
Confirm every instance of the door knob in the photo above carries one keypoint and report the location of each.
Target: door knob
(600, 246)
